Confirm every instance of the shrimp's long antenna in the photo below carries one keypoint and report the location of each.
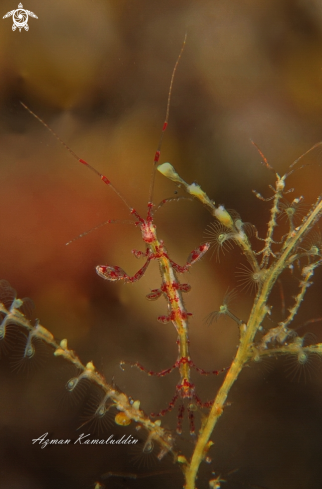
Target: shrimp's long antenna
(80, 160)
(109, 221)
(265, 161)
(306, 152)
(165, 124)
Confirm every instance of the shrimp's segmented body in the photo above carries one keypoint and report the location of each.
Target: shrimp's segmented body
(170, 288)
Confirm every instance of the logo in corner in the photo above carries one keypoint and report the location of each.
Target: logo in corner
(20, 18)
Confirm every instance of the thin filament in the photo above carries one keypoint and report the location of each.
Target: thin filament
(165, 124)
(80, 160)
(109, 221)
